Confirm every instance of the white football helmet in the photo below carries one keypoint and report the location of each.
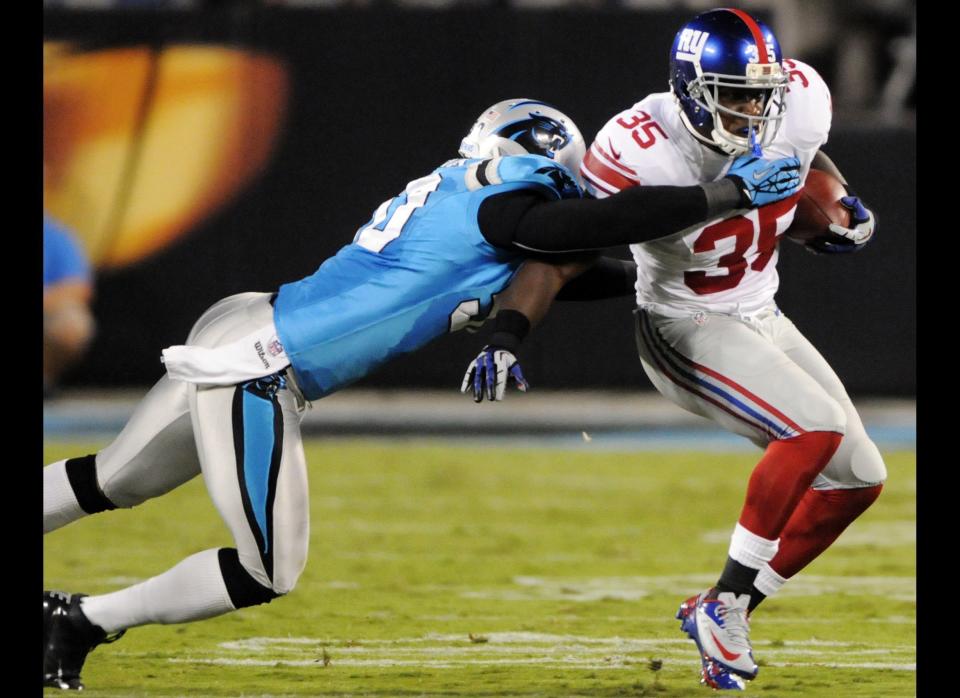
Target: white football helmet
(521, 126)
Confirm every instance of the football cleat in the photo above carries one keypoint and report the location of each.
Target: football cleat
(718, 678)
(68, 636)
(719, 626)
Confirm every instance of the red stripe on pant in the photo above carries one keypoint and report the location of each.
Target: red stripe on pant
(778, 482)
(820, 517)
(663, 355)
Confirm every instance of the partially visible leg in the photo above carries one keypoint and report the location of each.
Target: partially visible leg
(248, 438)
(253, 465)
(248, 441)
(153, 454)
(847, 486)
(730, 371)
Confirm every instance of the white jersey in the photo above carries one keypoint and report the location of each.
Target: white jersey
(727, 265)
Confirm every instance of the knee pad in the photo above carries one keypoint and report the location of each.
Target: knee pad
(867, 464)
(857, 463)
(244, 590)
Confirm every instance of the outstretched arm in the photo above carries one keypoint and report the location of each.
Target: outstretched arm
(523, 305)
(525, 220)
(532, 290)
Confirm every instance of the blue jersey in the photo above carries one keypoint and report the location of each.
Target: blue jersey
(418, 269)
(63, 258)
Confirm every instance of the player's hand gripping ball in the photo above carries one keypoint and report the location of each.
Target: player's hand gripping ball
(828, 219)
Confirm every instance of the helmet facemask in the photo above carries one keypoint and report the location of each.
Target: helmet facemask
(758, 130)
(728, 51)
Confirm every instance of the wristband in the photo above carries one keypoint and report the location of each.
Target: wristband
(509, 329)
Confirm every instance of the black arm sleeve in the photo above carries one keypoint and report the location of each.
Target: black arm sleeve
(607, 278)
(526, 220)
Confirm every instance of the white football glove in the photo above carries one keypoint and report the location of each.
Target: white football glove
(489, 373)
(861, 218)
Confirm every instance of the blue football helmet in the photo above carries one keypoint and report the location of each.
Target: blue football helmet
(728, 51)
(521, 126)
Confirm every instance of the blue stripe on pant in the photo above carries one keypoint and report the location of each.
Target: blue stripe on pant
(258, 444)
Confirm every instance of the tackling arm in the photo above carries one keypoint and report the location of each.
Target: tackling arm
(528, 221)
(523, 305)
(607, 278)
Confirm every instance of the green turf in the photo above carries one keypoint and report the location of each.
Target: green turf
(459, 571)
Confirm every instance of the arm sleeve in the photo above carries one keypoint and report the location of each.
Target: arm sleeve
(527, 221)
(607, 278)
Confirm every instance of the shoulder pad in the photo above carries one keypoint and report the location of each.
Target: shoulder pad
(809, 108)
(456, 162)
(524, 169)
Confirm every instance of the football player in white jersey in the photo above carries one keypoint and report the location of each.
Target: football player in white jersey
(708, 329)
(709, 332)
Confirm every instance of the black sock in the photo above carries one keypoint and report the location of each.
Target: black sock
(756, 596)
(736, 577)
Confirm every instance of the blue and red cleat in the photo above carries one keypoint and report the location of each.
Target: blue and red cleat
(718, 624)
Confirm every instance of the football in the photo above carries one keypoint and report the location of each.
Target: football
(818, 207)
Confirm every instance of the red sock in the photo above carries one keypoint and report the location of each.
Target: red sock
(777, 484)
(819, 518)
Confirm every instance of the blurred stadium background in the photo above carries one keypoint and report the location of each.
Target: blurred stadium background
(201, 149)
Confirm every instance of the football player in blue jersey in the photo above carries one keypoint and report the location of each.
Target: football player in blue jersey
(443, 254)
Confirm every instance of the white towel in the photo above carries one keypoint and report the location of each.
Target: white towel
(258, 354)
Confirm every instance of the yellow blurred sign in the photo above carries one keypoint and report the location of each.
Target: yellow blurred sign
(142, 144)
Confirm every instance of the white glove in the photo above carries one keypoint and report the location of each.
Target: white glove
(861, 218)
(490, 372)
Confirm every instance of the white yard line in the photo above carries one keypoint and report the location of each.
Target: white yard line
(567, 662)
(555, 651)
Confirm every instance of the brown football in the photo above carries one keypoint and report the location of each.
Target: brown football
(818, 207)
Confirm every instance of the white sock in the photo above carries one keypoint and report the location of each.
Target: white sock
(191, 590)
(768, 582)
(60, 505)
(750, 549)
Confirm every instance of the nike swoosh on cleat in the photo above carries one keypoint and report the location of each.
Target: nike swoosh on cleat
(727, 654)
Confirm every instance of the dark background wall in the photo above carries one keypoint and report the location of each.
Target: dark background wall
(380, 98)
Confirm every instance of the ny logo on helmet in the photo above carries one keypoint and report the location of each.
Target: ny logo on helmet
(691, 43)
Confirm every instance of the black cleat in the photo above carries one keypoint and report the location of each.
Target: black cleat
(67, 639)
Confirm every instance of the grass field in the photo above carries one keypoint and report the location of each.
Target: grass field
(474, 571)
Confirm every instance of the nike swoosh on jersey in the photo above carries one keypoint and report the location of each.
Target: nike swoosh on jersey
(616, 155)
(727, 654)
